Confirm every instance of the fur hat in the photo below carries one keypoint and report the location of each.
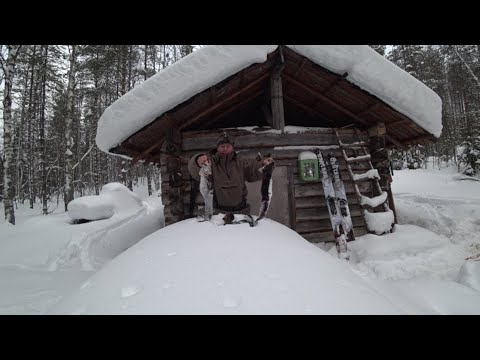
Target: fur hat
(225, 139)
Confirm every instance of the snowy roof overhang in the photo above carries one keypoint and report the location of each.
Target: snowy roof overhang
(224, 86)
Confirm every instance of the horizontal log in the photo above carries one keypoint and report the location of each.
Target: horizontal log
(327, 236)
(321, 213)
(304, 198)
(165, 187)
(262, 140)
(312, 202)
(324, 225)
(237, 132)
(343, 173)
(316, 189)
(283, 157)
(319, 201)
(281, 152)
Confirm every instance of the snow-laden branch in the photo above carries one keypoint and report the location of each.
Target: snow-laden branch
(466, 65)
(2, 62)
(83, 157)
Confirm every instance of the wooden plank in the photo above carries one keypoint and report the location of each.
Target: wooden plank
(259, 140)
(299, 69)
(319, 201)
(276, 101)
(168, 124)
(267, 112)
(321, 213)
(282, 158)
(291, 198)
(327, 236)
(315, 202)
(276, 93)
(334, 83)
(369, 109)
(262, 130)
(324, 224)
(223, 101)
(316, 189)
(309, 109)
(337, 106)
(420, 139)
(231, 109)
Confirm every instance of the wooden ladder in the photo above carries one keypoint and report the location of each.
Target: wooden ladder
(372, 174)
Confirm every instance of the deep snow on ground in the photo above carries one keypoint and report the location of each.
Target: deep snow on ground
(42, 258)
(419, 269)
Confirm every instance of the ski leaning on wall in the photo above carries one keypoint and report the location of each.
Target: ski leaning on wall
(332, 206)
(341, 197)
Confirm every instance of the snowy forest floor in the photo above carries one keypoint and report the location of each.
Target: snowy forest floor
(439, 226)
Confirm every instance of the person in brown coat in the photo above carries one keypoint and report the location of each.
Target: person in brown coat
(230, 172)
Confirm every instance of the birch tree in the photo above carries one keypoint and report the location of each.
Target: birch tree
(69, 176)
(8, 166)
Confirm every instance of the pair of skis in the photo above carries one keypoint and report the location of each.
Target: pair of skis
(206, 189)
(337, 203)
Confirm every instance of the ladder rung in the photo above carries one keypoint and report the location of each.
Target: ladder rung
(375, 201)
(354, 145)
(358, 158)
(369, 175)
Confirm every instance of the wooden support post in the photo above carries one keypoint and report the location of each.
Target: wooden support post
(276, 93)
(379, 130)
(171, 162)
(291, 198)
(380, 159)
(268, 115)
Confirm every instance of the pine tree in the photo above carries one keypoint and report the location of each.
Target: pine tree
(470, 156)
(379, 49)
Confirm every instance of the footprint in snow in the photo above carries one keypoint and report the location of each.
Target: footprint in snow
(131, 290)
(231, 302)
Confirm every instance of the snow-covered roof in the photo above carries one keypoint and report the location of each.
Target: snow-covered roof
(211, 64)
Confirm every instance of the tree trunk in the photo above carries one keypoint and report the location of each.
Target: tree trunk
(69, 189)
(31, 116)
(148, 169)
(20, 144)
(42, 137)
(145, 63)
(8, 189)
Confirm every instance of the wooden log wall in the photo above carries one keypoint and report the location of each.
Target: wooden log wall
(308, 211)
(173, 181)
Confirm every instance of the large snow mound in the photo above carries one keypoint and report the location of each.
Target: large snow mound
(204, 268)
(113, 198)
(132, 219)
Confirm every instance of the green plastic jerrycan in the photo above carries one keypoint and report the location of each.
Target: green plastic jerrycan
(308, 166)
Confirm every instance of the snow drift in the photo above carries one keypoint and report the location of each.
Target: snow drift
(130, 219)
(203, 268)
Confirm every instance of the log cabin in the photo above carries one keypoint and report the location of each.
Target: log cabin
(283, 100)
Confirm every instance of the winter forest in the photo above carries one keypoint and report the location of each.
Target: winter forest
(53, 96)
